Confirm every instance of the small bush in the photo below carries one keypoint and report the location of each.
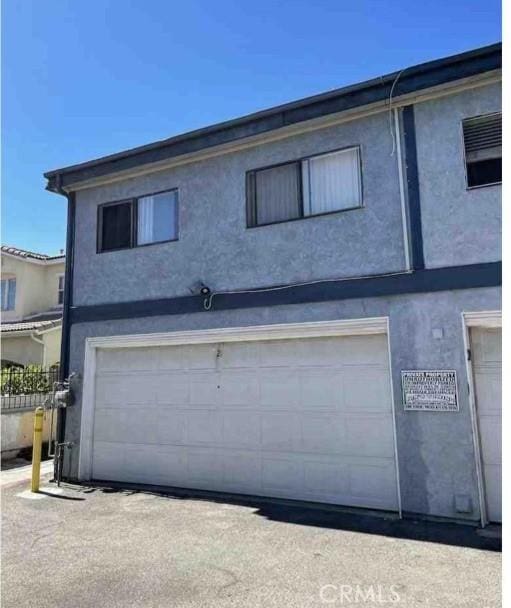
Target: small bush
(31, 380)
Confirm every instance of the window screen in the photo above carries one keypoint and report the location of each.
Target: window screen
(312, 186)
(482, 138)
(116, 226)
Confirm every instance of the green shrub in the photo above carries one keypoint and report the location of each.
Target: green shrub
(27, 381)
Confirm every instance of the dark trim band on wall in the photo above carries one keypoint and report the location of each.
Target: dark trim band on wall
(413, 189)
(421, 281)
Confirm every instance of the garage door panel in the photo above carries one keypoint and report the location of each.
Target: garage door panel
(120, 390)
(320, 390)
(201, 356)
(279, 431)
(242, 471)
(172, 389)
(204, 426)
(108, 460)
(279, 389)
(283, 474)
(329, 478)
(493, 486)
(203, 388)
(372, 481)
(486, 345)
(110, 427)
(296, 419)
(128, 359)
(281, 353)
(369, 436)
(366, 390)
(322, 433)
(491, 439)
(238, 388)
(239, 355)
(241, 429)
(364, 350)
(205, 466)
(171, 358)
(489, 386)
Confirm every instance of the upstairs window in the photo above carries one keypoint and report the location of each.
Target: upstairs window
(311, 186)
(60, 291)
(482, 137)
(8, 294)
(142, 221)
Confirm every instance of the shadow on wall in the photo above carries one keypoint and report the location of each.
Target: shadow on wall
(326, 516)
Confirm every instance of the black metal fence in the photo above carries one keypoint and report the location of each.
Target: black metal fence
(26, 388)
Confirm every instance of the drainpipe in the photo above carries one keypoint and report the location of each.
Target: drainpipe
(402, 189)
(41, 342)
(66, 319)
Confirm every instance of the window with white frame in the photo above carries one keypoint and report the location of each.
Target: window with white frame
(8, 294)
(482, 138)
(60, 290)
(311, 186)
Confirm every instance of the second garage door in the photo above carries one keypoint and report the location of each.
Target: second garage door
(307, 419)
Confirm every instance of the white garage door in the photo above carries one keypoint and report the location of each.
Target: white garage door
(487, 366)
(307, 419)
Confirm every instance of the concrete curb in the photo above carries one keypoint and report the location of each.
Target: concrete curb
(23, 474)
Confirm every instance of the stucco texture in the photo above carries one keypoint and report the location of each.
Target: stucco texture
(436, 456)
(22, 350)
(459, 226)
(216, 247)
(36, 286)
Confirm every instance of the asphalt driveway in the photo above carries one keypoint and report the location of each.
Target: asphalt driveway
(109, 548)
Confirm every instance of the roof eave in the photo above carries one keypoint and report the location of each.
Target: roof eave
(406, 81)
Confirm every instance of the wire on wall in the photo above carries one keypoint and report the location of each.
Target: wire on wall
(208, 301)
(391, 126)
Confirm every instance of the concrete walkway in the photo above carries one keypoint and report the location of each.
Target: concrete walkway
(23, 474)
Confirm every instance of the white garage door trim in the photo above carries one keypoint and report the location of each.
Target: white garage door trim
(489, 319)
(318, 329)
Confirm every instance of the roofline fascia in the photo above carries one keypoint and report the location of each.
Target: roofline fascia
(286, 132)
(408, 81)
(23, 333)
(49, 262)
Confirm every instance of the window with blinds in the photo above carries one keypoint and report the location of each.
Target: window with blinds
(312, 186)
(482, 138)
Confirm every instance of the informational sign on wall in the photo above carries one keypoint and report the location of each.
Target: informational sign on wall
(431, 390)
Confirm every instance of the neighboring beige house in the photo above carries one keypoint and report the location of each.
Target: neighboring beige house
(31, 301)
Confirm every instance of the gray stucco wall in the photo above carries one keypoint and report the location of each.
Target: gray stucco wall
(459, 226)
(436, 457)
(216, 247)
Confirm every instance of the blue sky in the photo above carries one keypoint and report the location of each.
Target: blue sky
(84, 78)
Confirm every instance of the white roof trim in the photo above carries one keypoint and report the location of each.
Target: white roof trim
(50, 262)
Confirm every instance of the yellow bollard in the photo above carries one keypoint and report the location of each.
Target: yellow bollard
(37, 448)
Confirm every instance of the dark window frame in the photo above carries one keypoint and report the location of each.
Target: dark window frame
(133, 202)
(60, 290)
(465, 164)
(251, 189)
